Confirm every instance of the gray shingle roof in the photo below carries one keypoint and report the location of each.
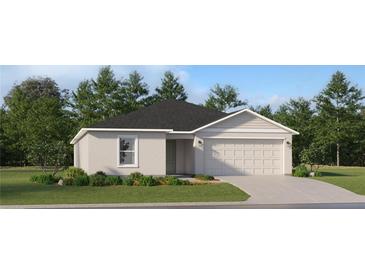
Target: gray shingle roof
(169, 114)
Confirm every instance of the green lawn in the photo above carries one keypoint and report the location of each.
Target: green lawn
(15, 188)
(351, 178)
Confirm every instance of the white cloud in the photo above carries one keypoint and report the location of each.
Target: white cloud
(183, 76)
(261, 99)
(275, 101)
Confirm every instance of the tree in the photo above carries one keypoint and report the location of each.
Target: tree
(264, 111)
(105, 97)
(8, 155)
(134, 91)
(298, 115)
(37, 117)
(314, 156)
(170, 89)
(106, 89)
(85, 104)
(223, 98)
(338, 108)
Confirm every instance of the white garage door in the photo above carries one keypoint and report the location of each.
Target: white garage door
(243, 157)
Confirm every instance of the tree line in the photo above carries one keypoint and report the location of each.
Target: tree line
(38, 119)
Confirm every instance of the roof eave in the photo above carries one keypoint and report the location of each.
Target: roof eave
(83, 131)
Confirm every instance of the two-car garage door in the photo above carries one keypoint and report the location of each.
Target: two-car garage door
(243, 157)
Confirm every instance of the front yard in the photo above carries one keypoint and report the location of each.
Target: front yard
(350, 178)
(16, 189)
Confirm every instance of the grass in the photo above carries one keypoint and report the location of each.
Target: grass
(350, 178)
(16, 189)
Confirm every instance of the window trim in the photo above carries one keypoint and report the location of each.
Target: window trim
(135, 137)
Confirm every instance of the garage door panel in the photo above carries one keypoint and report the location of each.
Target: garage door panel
(243, 157)
(238, 164)
(229, 154)
(257, 163)
(276, 163)
(248, 163)
(238, 154)
(248, 153)
(257, 153)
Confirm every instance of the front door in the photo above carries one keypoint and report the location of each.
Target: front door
(171, 156)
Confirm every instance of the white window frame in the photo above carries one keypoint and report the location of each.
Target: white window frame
(135, 137)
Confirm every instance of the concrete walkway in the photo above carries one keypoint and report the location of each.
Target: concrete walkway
(291, 190)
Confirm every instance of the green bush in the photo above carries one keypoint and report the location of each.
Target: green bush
(317, 173)
(113, 180)
(102, 173)
(45, 179)
(128, 181)
(301, 171)
(147, 181)
(173, 181)
(203, 177)
(68, 181)
(34, 178)
(97, 180)
(160, 180)
(73, 172)
(81, 180)
(135, 176)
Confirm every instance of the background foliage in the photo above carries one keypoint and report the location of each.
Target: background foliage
(38, 120)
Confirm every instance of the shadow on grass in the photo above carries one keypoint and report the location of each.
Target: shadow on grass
(334, 174)
(14, 190)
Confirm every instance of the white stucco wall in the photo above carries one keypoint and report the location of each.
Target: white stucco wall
(81, 153)
(102, 153)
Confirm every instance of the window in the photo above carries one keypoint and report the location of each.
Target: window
(128, 151)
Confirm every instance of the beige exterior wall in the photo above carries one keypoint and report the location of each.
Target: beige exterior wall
(81, 153)
(102, 153)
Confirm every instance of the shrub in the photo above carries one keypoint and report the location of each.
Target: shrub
(81, 180)
(317, 173)
(160, 180)
(73, 172)
(97, 180)
(135, 176)
(301, 171)
(147, 181)
(203, 177)
(127, 181)
(45, 179)
(102, 173)
(34, 178)
(173, 181)
(68, 181)
(113, 180)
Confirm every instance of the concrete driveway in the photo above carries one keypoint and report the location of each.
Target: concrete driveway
(290, 190)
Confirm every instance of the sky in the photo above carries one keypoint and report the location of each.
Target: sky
(259, 85)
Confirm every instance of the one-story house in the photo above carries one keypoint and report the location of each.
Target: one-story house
(175, 137)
